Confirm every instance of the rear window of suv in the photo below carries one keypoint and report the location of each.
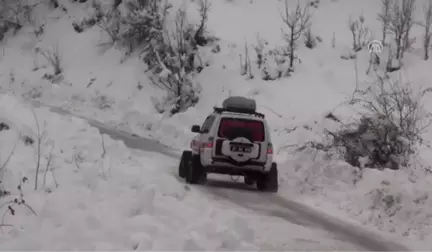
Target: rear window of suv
(231, 128)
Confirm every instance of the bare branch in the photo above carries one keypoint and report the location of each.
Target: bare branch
(204, 8)
(48, 164)
(40, 136)
(426, 24)
(359, 32)
(110, 23)
(103, 154)
(3, 166)
(53, 56)
(384, 18)
(400, 24)
(297, 21)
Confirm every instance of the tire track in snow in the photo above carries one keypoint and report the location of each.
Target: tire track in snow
(246, 197)
(294, 212)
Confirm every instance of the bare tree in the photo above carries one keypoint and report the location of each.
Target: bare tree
(408, 7)
(427, 29)
(259, 50)
(245, 65)
(298, 21)
(360, 33)
(400, 25)
(204, 8)
(384, 18)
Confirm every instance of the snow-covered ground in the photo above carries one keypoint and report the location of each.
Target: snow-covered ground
(120, 200)
(98, 83)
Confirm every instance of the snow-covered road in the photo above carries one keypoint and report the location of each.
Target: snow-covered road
(328, 233)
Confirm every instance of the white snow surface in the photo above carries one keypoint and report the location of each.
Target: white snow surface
(321, 83)
(122, 201)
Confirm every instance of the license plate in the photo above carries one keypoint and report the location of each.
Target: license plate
(241, 149)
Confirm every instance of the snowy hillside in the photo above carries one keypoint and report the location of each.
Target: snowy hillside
(74, 55)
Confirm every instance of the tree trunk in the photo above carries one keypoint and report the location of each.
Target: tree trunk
(291, 44)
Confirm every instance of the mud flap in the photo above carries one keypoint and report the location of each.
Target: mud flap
(184, 163)
(195, 172)
(269, 182)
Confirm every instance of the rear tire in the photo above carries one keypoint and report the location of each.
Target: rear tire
(196, 173)
(268, 182)
(184, 163)
(248, 180)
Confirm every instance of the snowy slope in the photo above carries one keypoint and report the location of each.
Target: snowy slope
(120, 200)
(99, 83)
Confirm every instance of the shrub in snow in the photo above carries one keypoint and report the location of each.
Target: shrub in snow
(10, 207)
(274, 63)
(142, 22)
(171, 61)
(200, 37)
(53, 57)
(14, 14)
(360, 33)
(4, 126)
(95, 15)
(216, 49)
(168, 47)
(388, 131)
(309, 40)
(348, 55)
(174, 103)
(314, 3)
(102, 102)
(11, 14)
(259, 50)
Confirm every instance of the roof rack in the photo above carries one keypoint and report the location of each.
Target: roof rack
(239, 111)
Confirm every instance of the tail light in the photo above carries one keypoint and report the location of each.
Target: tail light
(209, 144)
(270, 148)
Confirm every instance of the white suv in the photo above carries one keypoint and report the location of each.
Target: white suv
(233, 140)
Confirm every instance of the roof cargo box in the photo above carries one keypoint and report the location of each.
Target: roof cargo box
(239, 104)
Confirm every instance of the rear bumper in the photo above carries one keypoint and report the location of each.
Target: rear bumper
(226, 166)
(232, 171)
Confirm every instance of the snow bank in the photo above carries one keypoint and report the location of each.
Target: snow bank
(90, 201)
(123, 200)
(397, 202)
